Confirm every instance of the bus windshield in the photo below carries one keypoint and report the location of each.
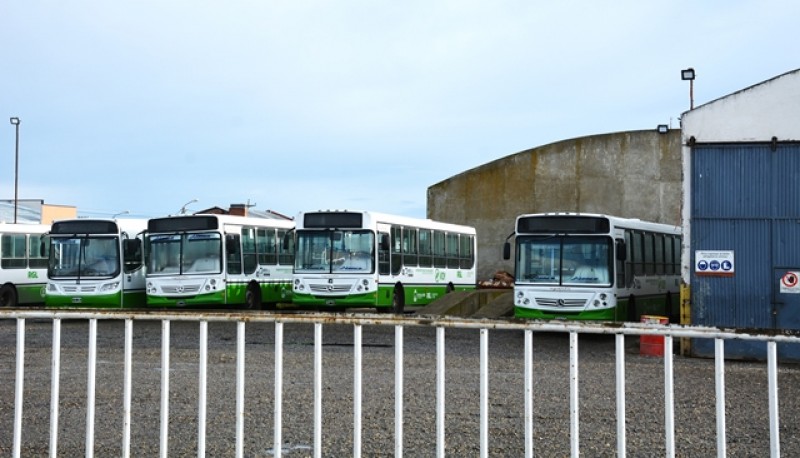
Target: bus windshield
(560, 260)
(84, 257)
(348, 251)
(196, 253)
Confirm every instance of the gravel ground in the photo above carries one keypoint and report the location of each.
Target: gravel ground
(695, 422)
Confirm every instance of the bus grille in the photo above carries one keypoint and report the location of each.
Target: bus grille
(180, 289)
(560, 303)
(329, 288)
(79, 288)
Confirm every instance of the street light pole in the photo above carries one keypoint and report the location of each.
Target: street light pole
(15, 122)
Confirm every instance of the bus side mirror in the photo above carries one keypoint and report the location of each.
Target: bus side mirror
(506, 251)
(131, 246)
(622, 253)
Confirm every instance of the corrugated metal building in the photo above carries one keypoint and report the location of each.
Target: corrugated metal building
(741, 214)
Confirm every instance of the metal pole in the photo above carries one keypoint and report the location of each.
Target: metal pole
(691, 94)
(15, 121)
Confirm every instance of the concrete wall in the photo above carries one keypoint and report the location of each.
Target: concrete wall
(631, 174)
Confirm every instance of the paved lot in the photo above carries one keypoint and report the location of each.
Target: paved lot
(747, 403)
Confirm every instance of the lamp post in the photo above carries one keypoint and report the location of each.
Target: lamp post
(688, 75)
(183, 209)
(15, 122)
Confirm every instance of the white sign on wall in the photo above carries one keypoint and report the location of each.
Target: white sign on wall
(718, 262)
(790, 282)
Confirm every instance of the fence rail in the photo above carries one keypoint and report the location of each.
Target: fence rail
(400, 323)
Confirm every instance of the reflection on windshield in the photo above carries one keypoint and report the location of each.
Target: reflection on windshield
(84, 257)
(185, 254)
(563, 260)
(335, 251)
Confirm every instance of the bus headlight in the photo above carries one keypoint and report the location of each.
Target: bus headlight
(109, 286)
(520, 294)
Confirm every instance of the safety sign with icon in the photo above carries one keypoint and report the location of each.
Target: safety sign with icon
(789, 282)
(719, 263)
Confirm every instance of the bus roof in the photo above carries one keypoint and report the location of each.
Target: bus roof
(371, 219)
(616, 221)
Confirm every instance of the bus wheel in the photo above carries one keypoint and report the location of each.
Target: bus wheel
(252, 297)
(8, 296)
(398, 300)
(449, 289)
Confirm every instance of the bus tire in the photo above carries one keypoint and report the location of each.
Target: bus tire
(449, 289)
(398, 300)
(252, 297)
(8, 296)
(632, 309)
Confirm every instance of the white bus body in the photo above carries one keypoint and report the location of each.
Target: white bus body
(23, 264)
(212, 260)
(96, 263)
(365, 259)
(594, 267)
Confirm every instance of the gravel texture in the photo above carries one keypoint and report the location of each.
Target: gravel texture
(695, 419)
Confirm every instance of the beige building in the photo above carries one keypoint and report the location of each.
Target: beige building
(634, 174)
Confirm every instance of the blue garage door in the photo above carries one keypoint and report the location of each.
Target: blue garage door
(746, 199)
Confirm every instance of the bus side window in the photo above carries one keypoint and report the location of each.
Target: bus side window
(249, 254)
(397, 254)
(132, 254)
(410, 257)
(13, 251)
(425, 248)
(233, 257)
(439, 258)
(383, 253)
(285, 247)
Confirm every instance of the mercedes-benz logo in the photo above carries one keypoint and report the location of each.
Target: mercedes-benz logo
(330, 288)
(179, 289)
(561, 303)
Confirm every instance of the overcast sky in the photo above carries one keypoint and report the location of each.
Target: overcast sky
(144, 105)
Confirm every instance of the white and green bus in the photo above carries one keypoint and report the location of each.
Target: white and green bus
(594, 267)
(96, 263)
(23, 264)
(219, 260)
(364, 259)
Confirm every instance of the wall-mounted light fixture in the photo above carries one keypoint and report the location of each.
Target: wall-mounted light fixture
(662, 129)
(688, 75)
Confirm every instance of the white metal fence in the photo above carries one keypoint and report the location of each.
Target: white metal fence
(319, 321)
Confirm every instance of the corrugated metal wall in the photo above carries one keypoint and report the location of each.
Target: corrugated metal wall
(746, 199)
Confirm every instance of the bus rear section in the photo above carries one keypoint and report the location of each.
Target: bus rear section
(96, 263)
(23, 264)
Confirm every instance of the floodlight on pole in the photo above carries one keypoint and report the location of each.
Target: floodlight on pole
(688, 75)
(15, 122)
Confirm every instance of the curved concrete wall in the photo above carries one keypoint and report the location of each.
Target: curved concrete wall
(633, 174)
